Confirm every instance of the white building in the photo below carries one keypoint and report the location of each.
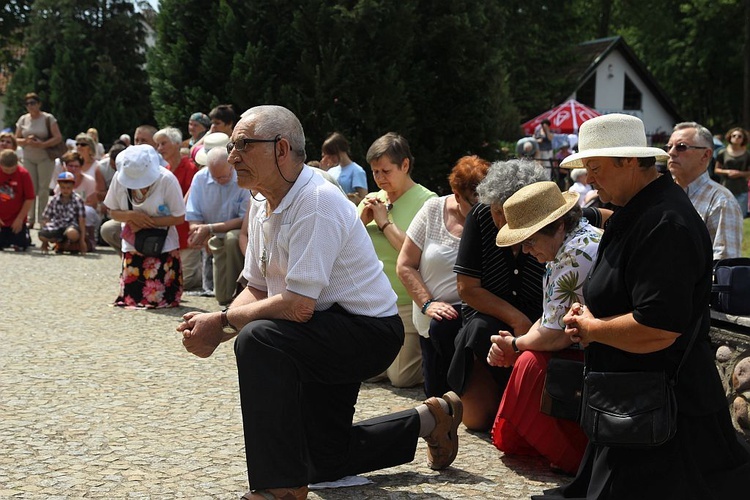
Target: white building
(614, 80)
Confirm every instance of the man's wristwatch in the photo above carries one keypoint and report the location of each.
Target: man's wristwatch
(226, 326)
(515, 347)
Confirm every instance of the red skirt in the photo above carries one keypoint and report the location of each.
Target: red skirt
(521, 429)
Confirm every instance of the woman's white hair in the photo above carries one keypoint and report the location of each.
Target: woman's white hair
(504, 178)
(171, 133)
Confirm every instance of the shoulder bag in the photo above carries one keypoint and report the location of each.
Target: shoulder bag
(149, 241)
(631, 409)
(56, 151)
(563, 383)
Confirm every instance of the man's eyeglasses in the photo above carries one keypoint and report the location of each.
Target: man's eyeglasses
(240, 144)
(529, 243)
(681, 147)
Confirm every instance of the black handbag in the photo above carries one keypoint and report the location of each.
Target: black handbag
(149, 241)
(631, 409)
(730, 292)
(563, 383)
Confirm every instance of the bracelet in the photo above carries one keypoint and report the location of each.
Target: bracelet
(426, 305)
(382, 229)
(515, 347)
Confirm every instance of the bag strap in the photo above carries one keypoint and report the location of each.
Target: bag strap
(46, 121)
(130, 204)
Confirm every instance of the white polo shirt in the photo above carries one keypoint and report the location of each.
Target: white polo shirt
(315, 245)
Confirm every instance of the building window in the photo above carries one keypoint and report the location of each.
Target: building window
(632, 97)
(586, 93)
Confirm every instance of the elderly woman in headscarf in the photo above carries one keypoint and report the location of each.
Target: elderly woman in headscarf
(549, 226)
(144, 195)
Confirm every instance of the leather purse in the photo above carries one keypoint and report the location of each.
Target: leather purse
(563, 384)
(149, 241)
(59, 149)
(631, 409)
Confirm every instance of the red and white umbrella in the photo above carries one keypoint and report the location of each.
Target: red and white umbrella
(564, 119)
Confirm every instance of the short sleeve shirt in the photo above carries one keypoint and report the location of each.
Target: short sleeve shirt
(15, 190)
(314, 244)
(565, 276)
(350, 177)
(517, 279)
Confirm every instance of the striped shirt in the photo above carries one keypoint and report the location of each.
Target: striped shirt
(517, 279)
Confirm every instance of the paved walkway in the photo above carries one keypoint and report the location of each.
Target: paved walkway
(100, 402)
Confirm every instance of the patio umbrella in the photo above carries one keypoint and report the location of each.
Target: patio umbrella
(564, 119)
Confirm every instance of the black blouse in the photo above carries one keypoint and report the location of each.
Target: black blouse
(655, 261)
(517, 279)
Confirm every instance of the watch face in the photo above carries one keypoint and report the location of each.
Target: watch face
(229, 329)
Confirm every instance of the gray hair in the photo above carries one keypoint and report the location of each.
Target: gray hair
(217, 156)
(271, 121)
(506, 177)
(702, 134)
(172, 134)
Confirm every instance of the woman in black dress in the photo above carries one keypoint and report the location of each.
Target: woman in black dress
(648, 289)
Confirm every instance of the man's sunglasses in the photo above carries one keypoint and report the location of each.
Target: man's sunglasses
(681, 147)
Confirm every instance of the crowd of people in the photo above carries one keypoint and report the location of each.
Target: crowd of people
(472, 295)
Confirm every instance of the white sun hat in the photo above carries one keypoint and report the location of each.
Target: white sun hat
(210, 141)
(138, 166)
(614, 135)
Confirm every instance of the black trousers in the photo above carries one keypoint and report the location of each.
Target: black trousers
(298, 386)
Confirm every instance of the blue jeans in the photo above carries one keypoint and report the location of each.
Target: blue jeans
(742, 200)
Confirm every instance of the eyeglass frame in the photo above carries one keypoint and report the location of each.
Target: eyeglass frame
(231, 146)
(83, 144)
(681, 147)
(30, 102)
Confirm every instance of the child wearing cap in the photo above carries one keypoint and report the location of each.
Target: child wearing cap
(64, 217)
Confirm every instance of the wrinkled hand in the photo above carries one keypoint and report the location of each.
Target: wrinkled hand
(366, 217)
(577, 321)
(440, 310)
(379, 211)
(501, 351)
(201, 332)
(199, 235)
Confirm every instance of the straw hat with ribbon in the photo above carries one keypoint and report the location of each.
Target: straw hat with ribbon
(530, 209)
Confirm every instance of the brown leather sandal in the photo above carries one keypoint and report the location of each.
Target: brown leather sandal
(442, 443)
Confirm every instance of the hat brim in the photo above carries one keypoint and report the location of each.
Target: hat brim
(201, 157)
(576, 159)
(508, 237)
(141, 182)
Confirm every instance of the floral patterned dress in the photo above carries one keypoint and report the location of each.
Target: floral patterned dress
(150, 282)
(520, 428)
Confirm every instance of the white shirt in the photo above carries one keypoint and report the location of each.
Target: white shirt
(439, 251)
(164, 198)
(315, 245)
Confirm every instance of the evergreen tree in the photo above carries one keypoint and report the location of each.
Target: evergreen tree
(86, 60)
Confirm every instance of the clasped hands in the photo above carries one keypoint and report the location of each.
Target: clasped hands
(374, 209)
(577, 321)
(201, 332)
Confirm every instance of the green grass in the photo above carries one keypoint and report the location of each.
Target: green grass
(746, 238)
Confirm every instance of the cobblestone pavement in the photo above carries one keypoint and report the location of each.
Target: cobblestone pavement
(101, 402)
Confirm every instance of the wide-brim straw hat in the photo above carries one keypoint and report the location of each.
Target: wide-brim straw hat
(614, 135)
(138, 166)
(530, 209)
(210, 141)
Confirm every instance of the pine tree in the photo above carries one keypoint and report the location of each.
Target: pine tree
(86, 60)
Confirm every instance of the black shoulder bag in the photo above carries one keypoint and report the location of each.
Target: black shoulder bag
(149, 241)
(631, 409)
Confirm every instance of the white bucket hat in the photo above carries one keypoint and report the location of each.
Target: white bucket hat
(530, 209)
(138, 166)
(210, 141)
(614, 135)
